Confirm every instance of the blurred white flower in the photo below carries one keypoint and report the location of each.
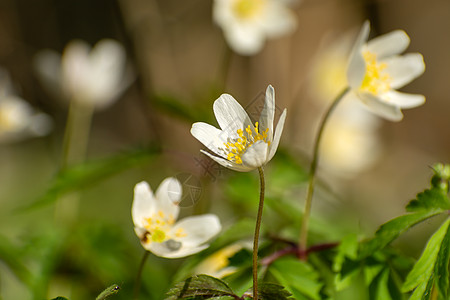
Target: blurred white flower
(247, 23)
(18, 119)
(376, 70)
(95, 77)
(350, 144)
(240, 145)
(154, 218)
(217, 264)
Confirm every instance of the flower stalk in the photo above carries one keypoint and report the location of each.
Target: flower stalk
(302, 249)
(257, 230)
(137, 284)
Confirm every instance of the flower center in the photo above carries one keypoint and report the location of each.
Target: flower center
(158, 227)
(375, 81)
(234, 148)
(246, 9)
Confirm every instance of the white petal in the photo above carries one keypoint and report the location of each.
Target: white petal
(403, 69)
(388, 44)
(162, 251)
(357, 66)
(197, 230)
(268, 113)
(75, 69)
(403, 100)
(245, 39)
(168, 196)
(380, 107)
(278, 20)
(107, 60)
(230, 115)
(143, 203)
(256, 155)
(277, 135)
(210, 136)
(228, 164)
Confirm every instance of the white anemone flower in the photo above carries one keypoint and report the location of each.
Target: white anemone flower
(376, 71)
(154, 218)
(18, 119)
(240, 145)
(92, 76)
(247, 23)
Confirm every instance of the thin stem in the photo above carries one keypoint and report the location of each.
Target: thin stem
(76, 134)
(312, 176)
(137, 284)
(257, 229)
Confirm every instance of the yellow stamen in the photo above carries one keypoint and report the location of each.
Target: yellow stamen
(375, 81)
(248, 9)
(237, 147)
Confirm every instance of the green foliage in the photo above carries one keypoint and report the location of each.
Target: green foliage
(207, 287)
(201, 287)
(298, 277)
(431, 267)
(87, 174)
(60, 298)
(111, 290)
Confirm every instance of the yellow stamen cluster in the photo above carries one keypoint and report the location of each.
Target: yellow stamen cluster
(158, 227)
(375, 80)
(234, 148)
(247, 9)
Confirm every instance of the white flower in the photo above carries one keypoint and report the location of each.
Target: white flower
(217, 264)
(376, 70)
(247, 23)
(18, 120)
(240, 145)
(91, 76)
(154, 218)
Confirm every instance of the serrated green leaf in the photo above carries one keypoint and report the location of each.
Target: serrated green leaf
(240, 230)
(200, 287)
(392, 229)
(298, 277)
(442, 265)
(430, 200)
(271, 291)
(86, 174)
(378, 288)
(109, 291)
(421, 276)
(347, 248)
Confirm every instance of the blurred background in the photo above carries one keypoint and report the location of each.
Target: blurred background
(178, 63)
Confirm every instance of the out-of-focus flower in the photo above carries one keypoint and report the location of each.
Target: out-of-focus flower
(154, 218)
(18, 119)
(350, 144)
(94, 77)
(240, 145)
(217, 264)
(376, 70)
(247, 23)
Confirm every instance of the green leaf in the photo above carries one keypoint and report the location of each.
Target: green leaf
(421, 277)
(392, 229)
(271, 291)
(111, 290)
(200, 287)
(430, 200)
(89, 173)
(298, 277)
(441, 270)
(60, 298)
(11, 256)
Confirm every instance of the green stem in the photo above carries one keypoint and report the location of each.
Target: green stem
(76, 134)
(312, 176)
(257, 229)
(137, 284)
